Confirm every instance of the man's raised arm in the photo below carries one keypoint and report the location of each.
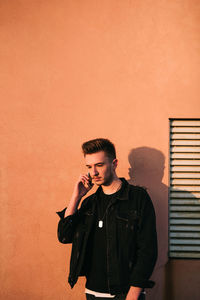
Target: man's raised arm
(69, 216)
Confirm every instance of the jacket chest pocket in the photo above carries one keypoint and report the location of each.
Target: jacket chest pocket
(128, 222)
(87, 221)
(122, 225)
(134, 220)
(122, 219)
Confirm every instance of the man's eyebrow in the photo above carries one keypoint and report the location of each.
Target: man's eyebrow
(101, 162)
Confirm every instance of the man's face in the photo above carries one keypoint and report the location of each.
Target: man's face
(100, 167)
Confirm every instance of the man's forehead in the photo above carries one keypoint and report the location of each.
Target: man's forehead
(95, 158)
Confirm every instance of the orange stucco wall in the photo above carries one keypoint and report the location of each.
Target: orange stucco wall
(74, 70)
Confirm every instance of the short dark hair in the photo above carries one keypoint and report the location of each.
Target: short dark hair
(97, 145)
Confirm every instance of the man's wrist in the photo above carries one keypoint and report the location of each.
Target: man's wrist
(134, 293)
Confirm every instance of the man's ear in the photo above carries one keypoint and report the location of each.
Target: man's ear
(115, 163)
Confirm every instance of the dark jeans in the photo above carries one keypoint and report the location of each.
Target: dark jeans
(117, 297)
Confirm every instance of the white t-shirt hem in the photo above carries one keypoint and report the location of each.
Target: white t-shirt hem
(97, 294)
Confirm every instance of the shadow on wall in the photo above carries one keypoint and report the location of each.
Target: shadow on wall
(147, 169)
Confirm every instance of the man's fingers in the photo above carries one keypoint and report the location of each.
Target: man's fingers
(85, 177)
(85, 181)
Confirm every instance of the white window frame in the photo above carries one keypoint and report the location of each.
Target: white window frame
(184, 188)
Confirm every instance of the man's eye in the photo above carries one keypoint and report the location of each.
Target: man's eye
(100, 165)
(88, 167)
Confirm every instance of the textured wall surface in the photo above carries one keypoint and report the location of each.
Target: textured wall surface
(74, 70)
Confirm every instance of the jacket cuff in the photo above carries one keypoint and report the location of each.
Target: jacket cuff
(143, 283)
(69, 218)
(61, 213)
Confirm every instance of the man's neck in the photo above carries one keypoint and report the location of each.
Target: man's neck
(113, 187)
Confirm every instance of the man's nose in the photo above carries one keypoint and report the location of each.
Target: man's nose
(94, 172)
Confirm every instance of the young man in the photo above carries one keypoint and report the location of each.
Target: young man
(113, 233)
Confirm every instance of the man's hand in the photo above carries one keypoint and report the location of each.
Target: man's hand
(133, 293)
(82, 186)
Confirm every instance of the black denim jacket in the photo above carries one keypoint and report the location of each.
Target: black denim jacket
(131, 238)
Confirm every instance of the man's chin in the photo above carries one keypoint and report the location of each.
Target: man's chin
(99, 183)
(102, 182)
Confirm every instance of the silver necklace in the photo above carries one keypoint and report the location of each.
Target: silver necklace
(100, 222)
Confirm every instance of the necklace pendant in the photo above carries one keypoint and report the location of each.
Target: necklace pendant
(100, 224)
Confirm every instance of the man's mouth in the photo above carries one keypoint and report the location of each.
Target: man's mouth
(97, 178)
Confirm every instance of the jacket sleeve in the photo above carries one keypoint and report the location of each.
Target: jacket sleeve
(146, 239)
(67, 225)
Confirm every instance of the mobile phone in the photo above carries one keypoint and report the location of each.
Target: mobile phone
(90, 178)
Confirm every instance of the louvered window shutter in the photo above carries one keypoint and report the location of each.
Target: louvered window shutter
(184, 194)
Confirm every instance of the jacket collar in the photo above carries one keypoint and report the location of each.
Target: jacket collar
(123, 195)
